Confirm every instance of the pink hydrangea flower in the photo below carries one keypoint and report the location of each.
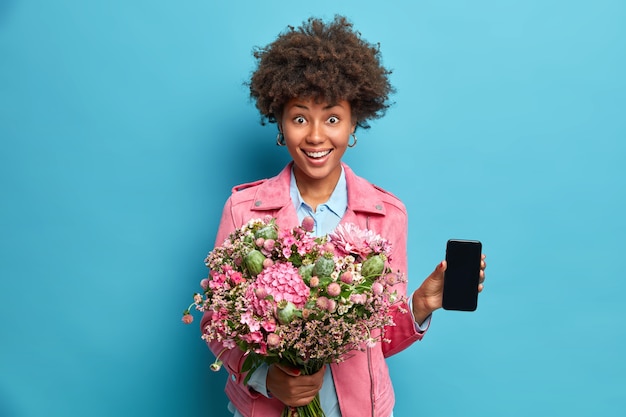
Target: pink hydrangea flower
(282, 282)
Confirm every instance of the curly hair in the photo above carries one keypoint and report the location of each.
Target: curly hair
(328, 62)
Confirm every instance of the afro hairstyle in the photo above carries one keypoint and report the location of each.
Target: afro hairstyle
(327, 62)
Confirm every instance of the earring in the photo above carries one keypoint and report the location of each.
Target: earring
(353, 144)
(280, 139)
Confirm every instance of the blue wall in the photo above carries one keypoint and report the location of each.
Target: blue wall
(123, 125)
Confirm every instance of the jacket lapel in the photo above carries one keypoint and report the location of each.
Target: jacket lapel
(272, 198)
(364, 202)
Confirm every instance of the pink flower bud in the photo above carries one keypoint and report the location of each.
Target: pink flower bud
(259, 242)
(273, 340)
(267, 262)
(329, 247)
(314, 282)
(322, 303)
(377, 288)
(308, 223)
(187, 318)
(346, 277)
(391, 279)
(204, 283)
(332, 306)
(268, 245)
(333, 289)
(260, 293)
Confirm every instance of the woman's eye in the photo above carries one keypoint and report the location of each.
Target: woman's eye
(333, 120)
(299, 120)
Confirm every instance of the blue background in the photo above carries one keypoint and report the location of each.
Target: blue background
(124, 124)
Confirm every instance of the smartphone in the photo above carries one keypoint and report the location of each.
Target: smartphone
(460, 284)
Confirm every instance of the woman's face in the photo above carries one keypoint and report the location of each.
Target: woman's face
(317, 135)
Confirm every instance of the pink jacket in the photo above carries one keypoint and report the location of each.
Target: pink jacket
(362, 381)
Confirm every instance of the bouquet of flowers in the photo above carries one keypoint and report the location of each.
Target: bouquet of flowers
(287, 297)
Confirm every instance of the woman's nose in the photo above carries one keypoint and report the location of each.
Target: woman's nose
(316, 133)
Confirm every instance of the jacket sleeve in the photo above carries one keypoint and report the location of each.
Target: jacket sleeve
(227, 223)
(405, 332)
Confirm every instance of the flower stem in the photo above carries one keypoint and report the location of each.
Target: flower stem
(217, 365)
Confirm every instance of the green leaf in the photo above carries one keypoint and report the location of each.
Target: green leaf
(250, 365)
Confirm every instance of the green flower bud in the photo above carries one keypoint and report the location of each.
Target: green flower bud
(373, 266)
(267, 232)
(253, 262)
(286, 311)
(323, 267)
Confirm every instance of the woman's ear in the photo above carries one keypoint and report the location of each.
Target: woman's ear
(279, 122)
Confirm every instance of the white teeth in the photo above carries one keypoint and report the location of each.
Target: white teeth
(317, 154)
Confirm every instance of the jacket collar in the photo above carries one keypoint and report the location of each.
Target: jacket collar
(274, 194)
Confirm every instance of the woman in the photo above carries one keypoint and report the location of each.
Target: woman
(318, 83)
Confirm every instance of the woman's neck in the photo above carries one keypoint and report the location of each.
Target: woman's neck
(316, 191)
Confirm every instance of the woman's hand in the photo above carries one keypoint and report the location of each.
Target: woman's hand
(428, 297)
(291, 388)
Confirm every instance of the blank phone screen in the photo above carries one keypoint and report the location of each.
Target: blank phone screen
(460, 288)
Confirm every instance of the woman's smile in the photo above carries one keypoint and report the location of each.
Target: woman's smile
(317, 154)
